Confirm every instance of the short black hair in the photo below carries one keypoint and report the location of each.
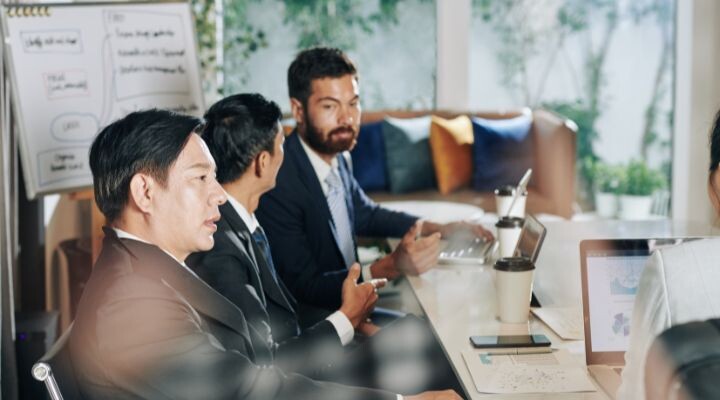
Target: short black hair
(715, 144)
(317, 63)
(145, 141)
(237, 129)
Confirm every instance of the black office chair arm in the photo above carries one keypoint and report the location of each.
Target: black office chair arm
(57, 356)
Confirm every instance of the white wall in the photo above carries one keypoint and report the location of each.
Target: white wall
(697, 100)
(453, 54)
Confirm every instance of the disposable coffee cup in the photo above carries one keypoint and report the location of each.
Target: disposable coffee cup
(508, 232)
(503, 199)
(513, 286)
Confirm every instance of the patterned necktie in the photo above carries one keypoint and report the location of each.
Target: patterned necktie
(262, 242)
(339, 211)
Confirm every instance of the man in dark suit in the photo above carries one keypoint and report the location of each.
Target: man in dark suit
(317, 208)
(244, 136)
(147, 326)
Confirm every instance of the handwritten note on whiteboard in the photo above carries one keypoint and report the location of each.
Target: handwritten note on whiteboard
(77, 67)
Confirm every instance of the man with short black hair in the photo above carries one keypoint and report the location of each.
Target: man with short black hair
(244, 136)
(147, 326)
(317, 208)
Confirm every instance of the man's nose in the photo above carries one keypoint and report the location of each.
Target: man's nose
(218, 195)
(347, 116)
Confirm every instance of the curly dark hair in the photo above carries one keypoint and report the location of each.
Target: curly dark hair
(317, 63)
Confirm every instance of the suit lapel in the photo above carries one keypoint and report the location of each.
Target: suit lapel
(311, 181)
(241, 232)
(151, 261)
(255, 256)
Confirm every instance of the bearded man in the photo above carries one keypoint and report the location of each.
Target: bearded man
(317, 208)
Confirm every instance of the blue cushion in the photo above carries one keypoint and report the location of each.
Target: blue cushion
(502, 151)
(407, 147)
(368, 158)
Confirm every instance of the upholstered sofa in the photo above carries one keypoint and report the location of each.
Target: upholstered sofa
(552, 188)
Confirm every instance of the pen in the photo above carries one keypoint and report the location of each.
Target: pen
(517, 351)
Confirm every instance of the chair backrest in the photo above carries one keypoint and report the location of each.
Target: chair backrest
(684, 363)
(56, 371)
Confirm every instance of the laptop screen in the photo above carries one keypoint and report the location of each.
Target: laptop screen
(531, 238)
(613, 278)
(611, 271)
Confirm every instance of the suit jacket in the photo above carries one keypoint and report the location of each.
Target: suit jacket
(299, 226)
(146, 327)
(236, 268)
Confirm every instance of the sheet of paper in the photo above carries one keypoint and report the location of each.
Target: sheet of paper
(567, 322)
(525, 374)
(520, 359)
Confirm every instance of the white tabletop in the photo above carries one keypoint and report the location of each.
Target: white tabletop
(459, 301)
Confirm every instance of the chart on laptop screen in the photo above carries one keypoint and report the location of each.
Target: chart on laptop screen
(613, 279)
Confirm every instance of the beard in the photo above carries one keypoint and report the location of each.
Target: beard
(332, 143)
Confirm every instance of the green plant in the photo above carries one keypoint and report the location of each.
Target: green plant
(606, 178)
(639, 180)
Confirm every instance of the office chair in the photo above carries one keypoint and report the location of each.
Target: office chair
(684, 363)
(55, 366)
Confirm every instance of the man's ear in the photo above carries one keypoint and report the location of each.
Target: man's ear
(142, 188)
(262, 161)
(297, 110)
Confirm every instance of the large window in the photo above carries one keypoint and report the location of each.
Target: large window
(392, 42)
(606, 64)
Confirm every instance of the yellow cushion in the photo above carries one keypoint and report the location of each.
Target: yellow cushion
(451, 147)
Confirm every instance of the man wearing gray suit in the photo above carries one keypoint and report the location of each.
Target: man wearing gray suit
(148, 327)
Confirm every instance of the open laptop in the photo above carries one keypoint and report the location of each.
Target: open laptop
(531, 239)
(610, 272)
(465, 248)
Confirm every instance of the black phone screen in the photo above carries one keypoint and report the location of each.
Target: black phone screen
(509, 341)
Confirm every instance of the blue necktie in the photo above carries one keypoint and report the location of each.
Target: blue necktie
(262, 242)
(338, 210)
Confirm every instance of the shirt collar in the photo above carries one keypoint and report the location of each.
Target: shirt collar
(121, 234)
(249, 219)
(322, 169)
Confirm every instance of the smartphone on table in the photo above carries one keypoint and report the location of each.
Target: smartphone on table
(509, 341)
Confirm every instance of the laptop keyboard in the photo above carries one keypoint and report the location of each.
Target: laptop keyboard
(475, 248)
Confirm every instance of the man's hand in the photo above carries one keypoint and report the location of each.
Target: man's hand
(358, 300)
(415, 257)
(367, 328)
(440, 395)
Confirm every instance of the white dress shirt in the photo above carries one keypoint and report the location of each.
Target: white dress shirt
(322, 170)
(338, 319)
(678, 285)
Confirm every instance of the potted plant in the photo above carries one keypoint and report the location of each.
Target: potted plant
(607, 179)
(637, 187)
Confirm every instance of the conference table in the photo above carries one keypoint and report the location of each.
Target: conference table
(459, 300)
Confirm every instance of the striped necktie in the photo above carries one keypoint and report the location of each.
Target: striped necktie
(339, 211)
